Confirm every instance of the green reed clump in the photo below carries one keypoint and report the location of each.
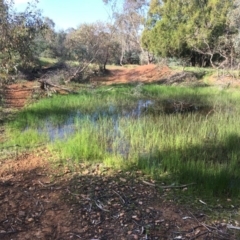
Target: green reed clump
(197, 149)
(84, 145)
(28, 138)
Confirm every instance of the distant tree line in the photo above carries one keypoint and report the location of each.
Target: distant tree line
(197, 32)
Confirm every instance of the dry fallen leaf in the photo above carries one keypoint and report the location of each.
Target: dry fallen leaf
(197, 232)
(202, 202)
(123, 179)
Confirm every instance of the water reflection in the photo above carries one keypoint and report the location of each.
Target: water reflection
(68, 127)
(115, 114)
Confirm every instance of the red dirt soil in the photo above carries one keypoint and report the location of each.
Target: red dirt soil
(39, 201)
(17, 95)
(146, 74)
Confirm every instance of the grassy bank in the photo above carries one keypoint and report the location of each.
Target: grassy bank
(175, 134)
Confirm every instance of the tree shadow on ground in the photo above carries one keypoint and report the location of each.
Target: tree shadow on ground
(90, 204)
(213, 165)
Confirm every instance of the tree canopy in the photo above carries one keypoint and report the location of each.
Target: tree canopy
(198, 29)
(18, 32)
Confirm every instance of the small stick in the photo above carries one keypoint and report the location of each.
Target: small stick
(100, 207)
(119, 196)
(148, 183)
(204, 225)
(229, 226)
(44, 185)
(180, 186)
(169, 186)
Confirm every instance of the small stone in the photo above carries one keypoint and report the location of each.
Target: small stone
(30, 219)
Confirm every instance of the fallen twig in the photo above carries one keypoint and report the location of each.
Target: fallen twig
(77, 195)
(204, 225)
(74, 234)
(229, 226)
(169, 186)
(148, 183)
(199, 235)
(11, 232)
(48, 83)
(180, 186)
(119, 196)
(45, 185)
(101, 207)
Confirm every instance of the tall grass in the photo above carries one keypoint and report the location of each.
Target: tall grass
(200, 147)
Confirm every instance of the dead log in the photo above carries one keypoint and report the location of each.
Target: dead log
(46, 84)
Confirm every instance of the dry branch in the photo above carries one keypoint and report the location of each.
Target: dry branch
(169, 186)
(46, 83)
(81, 68)
(229, 226)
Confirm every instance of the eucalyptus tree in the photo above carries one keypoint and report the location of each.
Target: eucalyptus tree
(58, 46)
(129, 16)
(18, 33)
(92, 43)
(45, 40)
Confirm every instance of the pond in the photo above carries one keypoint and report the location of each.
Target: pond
(68, 127)
(141, 108)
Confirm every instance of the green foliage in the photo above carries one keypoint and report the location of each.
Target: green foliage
(184, 28)
(18, 32)
(92, 43)
(84, 145)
